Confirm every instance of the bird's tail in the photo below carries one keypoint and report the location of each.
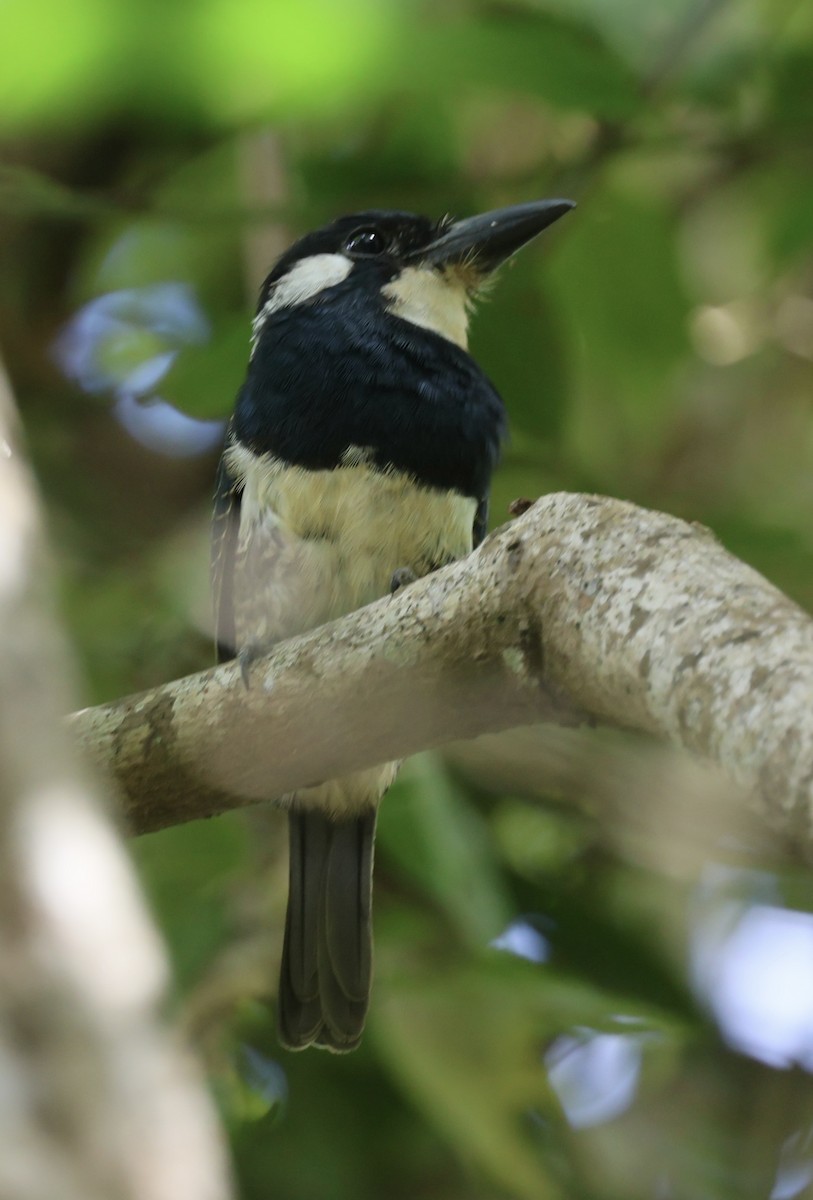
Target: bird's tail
(324, 985)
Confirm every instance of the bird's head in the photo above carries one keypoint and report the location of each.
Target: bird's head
(419, 270)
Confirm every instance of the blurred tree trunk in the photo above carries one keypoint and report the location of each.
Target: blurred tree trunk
(97, 1102)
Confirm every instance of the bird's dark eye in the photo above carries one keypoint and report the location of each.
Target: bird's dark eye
(366, 242)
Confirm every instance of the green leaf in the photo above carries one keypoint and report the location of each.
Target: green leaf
(253, 56)
(616, 282)
(562, 61)
(52, 67)
(518, 341)
(464, 1047)
(429, 827)
(187, 872)
(792, 94)
(135, 253)
(783, 555)
(407, 153)
(535, 839)
(203, 380)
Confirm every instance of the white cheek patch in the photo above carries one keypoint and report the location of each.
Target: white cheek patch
(305, 280)
(436, 300)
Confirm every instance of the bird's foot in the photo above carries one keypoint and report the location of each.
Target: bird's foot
(401, 578)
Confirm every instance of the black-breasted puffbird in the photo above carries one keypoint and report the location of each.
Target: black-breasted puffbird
(359, 455)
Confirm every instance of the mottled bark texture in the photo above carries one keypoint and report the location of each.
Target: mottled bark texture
(583, 609)
(97, 1101)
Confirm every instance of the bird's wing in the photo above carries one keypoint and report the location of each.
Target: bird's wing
(225, 531)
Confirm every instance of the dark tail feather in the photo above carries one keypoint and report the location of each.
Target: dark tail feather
(324, 985)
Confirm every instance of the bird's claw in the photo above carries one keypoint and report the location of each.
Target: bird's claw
(401, 578)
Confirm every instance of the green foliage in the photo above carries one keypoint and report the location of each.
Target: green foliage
(657, 345)
(529, 53)
(206, 859)
(443, 848)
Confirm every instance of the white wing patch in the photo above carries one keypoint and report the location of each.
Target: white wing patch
(306, 279)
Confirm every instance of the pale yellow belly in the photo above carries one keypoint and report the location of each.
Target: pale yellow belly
(318, 544)
(315, 545)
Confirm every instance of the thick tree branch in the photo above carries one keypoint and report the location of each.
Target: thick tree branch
(584, 608)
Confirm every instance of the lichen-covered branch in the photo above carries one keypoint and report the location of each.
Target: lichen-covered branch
(97, 1101)
(584, 608)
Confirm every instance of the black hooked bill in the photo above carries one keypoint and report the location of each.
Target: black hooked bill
(489, 239)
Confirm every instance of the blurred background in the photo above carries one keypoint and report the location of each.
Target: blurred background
(567, 1004)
